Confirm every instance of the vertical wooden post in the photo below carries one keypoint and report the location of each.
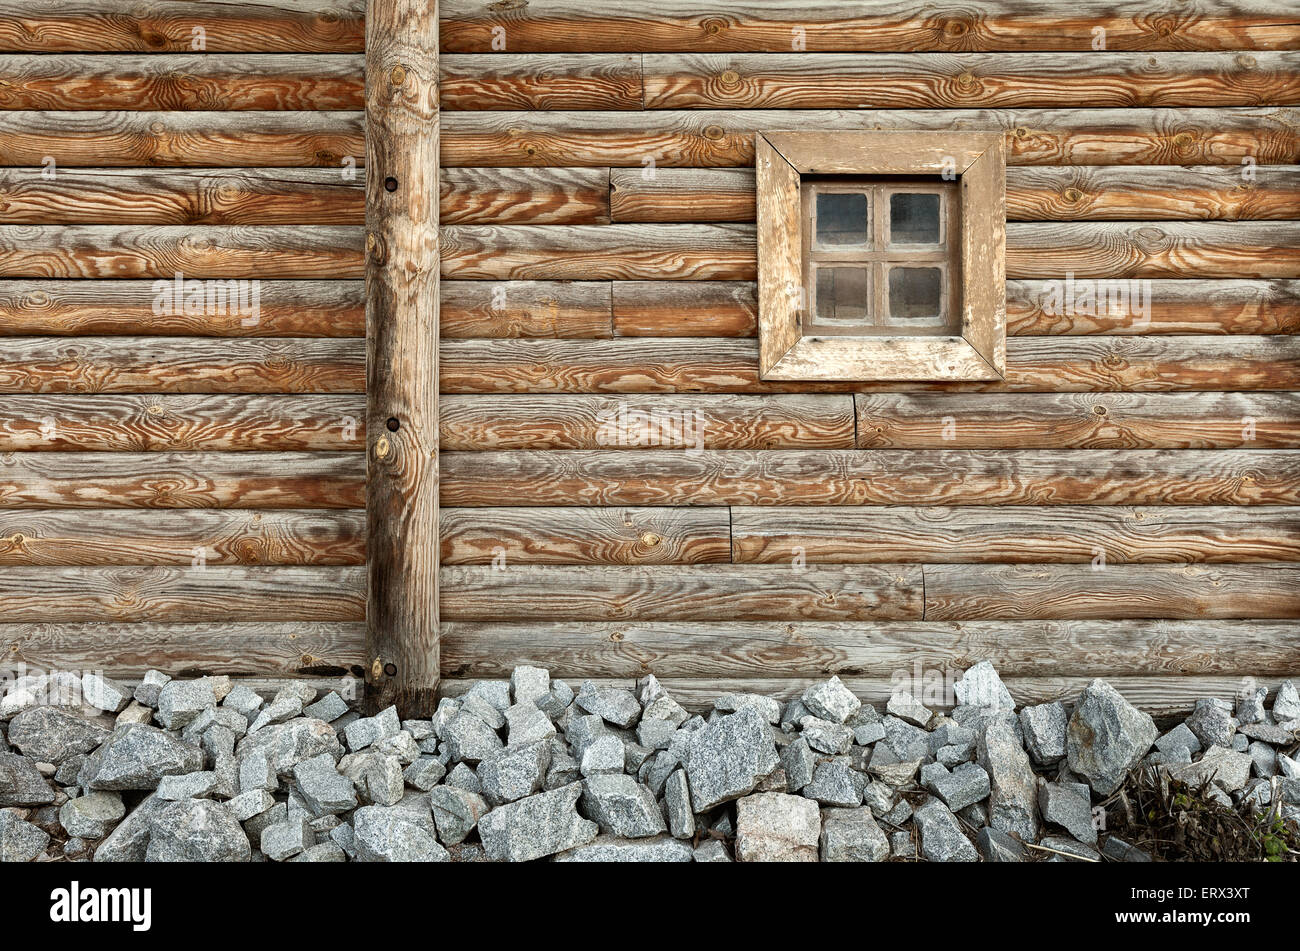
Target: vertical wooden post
(402, 354)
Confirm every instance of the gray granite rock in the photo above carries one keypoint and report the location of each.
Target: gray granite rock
(129, 841)
(1251, 707)
(249, 804)
(831, 700)
(677, 805)
(825, 736)
(997, 846)
(835, 783)
(906, 707)
(1013, 796)
(288, 744)
(981, 687)
(726, 759)
(612, 704)
(378, 778)
(1286, 705)
(776, 827)
(1065, 849)
(246, 701)
(515, 772)
(150, 686)
(20, 840)
(607, 848)
(526, 724)
(180, 786)
(1263, 758)
(536, 827)
(323, 789)
(368, 730)
(104, 694)
(196, 830)
(604, 754)
(469, 739)
(851, 835)
(425, 773)
(51, 734)
(712, 850)
(1227, 769)
(456, 812)
(655, 734)
(1069, 807)
(967, 784)
(942, 838)
(181, 701)
(1119, 850)
(621, 806)
(799, 761)
(1180, 737)
(281, 841)
(395, 834)
(1043, 727)
(1107, 736)
(768, 708)
(136, 756)
(529, 684)
(1212, 722)
(21, 782)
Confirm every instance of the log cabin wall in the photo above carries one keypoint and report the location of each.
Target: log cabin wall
(620, 492)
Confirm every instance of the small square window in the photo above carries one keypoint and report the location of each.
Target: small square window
(843, 296)
(915, 295)
(842, 219)
(914, 218)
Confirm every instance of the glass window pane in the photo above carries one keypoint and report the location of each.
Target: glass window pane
(842, 219)
(842, 294)
(915, 294)
(914, 218)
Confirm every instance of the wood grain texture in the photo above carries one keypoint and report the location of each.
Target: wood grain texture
(687, 423)
(1080, 535)
(1186, 306)
(1030, 592)
(503, 309)
(884, 477)
(199, 537)
(177, 480)
(806, 80)
(585, 536)
(185, 82)
(550, 196)
(685, 308)
(715, 652)
(510, 81)
(740, 26)
(211, 251)
(685, 592)
(181, 365)
(120, 139)
(202, 196)
(606, 252)
(156, 26)
(237, 649)
(1079, 421)
(35, 307)
(185, 423)
(682, 194)
(49, 594)
(705, 138)
(1034, 364)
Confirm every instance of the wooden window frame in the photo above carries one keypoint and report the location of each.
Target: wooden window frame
(786, 352)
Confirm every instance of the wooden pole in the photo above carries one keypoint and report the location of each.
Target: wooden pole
(402, 355)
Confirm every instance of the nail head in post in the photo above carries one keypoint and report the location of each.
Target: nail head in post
(390, 670)
(393, 424)
(390, 184)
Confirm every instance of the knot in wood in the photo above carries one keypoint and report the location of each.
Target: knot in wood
(397, 76)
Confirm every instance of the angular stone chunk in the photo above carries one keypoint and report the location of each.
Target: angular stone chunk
(322, 788)
(982, 687)
(835, 783)
(20, 841)
(1013, 796)
(1107, 736)
(136, 756)
(831, 700)
(196, 830)
(726, 759)
(362, 733)
(288, 744)
(530, 684)
(621, 806)
(612, 704)
(1226, 768)
(514, 772)
(608, 848)
(104, 694)
(150, 687)
(1044, 727)
(997, 846)
(469, 739)
(535, 827)
(767, 707)
(181, 701)
(964, 786)
(51, 735)
(394, 834)
(851, 835)
(777, 827)
(1068, 806)
(456, 812)
(942, 839)
(677, 803)
(1212, 722)
(906, 707)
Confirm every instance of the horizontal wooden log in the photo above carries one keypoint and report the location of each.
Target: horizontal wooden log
(240, 251)
(577, 252)
(49, 594)
(1079, 421)
(807, 80)
(510, 81)
(196, 538)
(688, 423)
(685, 308)
(235, 649)
(1034, 364)
(202, 139)
(193, 81)
(720, 650)
(585, 536)
(540, 196)
(1168, 307)
(1097, 535)
(35, 307)
(1034, 193)
(176, 480)
(209, 196)
(883, 477)
(501, 309)
(775, 26)
(156, 26)
(181, 423)
(685, 592)
(1035, 592)
(181, 365)
(703, 138)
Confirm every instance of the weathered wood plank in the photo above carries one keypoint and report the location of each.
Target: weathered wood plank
(201, 139)
(883, 477)
(155, 26)
(501, 309)
(195, 538)
(1034, 364)
(207, 196)
(715, 651)
(236, 649)
(685, 308)
(176, 480)
(209, 251)
(578, 252)
(509, 81)
(48, 594)
(1099, 535)
(682, 194)
(181, 365)
(549, 196)
(1169, 307)
(585, 536)
(191, 81)
(701, 138)
(185, 423)
(685, 592)
(687, 423)
(777, 25)
(1030, 592)
(1070, 421)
